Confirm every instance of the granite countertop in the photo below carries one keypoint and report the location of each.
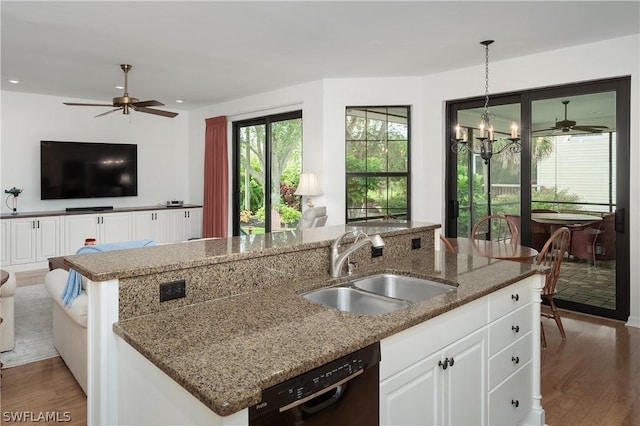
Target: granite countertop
(162, 258)
(226, 351)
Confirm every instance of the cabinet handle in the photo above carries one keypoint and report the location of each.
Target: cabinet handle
(515, 359)
(515, 403)
(515, 297)
(447, 363)
(515, 328)
(33, 224)
(38, 224)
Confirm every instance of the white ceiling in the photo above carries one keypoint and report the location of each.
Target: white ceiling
(207, 52)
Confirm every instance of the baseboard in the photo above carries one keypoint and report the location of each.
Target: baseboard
(633, 322)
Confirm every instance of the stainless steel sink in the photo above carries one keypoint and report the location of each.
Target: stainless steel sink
(349, 299)
(402, 287)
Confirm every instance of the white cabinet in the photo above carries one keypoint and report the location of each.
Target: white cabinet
(5, 240)
(105, 228)
(34, 239)
(476, 364)
(445, 388)
(193, 223)
(153, 224)
(168, 225)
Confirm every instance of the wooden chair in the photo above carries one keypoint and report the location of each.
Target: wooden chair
(447, 244)
(552, 255)
(497, 227)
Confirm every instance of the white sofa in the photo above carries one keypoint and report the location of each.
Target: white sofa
(7, 328)
(69, 325)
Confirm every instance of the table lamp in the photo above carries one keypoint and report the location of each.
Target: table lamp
(308, 187)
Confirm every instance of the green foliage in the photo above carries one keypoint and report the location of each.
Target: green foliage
(288, 214)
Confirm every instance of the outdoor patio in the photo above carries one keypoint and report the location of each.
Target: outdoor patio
(581, 282)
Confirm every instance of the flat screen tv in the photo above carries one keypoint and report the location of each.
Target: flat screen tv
(87, 170)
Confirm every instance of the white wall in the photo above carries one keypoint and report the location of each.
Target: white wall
(323, 106)
(27, 119)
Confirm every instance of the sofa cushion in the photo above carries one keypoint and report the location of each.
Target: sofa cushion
(55, 282)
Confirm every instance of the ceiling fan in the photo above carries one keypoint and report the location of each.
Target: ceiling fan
(567, 125)
(125, 102)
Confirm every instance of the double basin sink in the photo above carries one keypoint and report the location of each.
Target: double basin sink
(378, 294)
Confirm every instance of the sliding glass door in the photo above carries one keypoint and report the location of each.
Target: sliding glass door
(573, 171)
(267, 163)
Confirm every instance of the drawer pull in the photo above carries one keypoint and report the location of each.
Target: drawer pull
(515, 328)
(515, 359)
(515, 403)
(515, 297)
(447, 363)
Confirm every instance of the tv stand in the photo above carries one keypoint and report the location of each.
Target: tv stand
(89, 209)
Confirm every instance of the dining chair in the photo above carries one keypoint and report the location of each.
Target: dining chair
(552, 255)
(497, 227)
(448, 247)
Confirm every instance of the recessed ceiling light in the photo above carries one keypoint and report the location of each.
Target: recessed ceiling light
(117, 86)
(14, 81)
(179, 101)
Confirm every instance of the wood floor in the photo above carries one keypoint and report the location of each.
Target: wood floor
(42, 390)
(592, 378)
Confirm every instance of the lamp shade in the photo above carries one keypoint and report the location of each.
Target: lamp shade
(308, 185)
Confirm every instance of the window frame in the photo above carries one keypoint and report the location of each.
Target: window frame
(406, 174)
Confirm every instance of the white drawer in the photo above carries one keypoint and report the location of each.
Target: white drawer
(509, 360)
(510, 328)
(510, 298)
(510, 402)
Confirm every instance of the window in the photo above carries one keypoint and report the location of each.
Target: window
(377, 163)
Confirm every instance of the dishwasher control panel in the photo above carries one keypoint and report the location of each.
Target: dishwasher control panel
(315, 381)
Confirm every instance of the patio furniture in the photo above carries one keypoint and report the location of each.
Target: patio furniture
(583, 240)
(605, 247)
(496, 228)
(552, 255)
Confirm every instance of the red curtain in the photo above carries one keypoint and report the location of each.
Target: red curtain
(216, 179)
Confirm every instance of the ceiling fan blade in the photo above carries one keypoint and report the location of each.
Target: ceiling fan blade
(108, 112)
(590, 129)
(77, 104)
(156, 112)
(146, 104)
(544, 130)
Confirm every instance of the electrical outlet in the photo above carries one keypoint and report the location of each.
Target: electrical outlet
(172, 290)
(416, 243)
(376, 252)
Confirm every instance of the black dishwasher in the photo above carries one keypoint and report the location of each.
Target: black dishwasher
(342, 392)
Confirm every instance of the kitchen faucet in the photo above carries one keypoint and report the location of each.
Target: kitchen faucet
(337, 259)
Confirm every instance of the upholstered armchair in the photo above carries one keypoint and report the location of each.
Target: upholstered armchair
(313, 217)
(7, 328)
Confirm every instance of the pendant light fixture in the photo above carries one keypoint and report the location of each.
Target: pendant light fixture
(486, 137)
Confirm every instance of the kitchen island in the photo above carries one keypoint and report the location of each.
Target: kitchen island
(243, 326)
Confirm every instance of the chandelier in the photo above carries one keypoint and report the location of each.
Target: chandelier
(486, 138)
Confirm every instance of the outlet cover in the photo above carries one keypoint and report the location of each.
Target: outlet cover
(172, 290)
(376, 252)
(416, 243)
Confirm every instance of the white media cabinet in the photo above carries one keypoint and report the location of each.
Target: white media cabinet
(29, 239)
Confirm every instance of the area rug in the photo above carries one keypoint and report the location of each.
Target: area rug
(34, 327)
